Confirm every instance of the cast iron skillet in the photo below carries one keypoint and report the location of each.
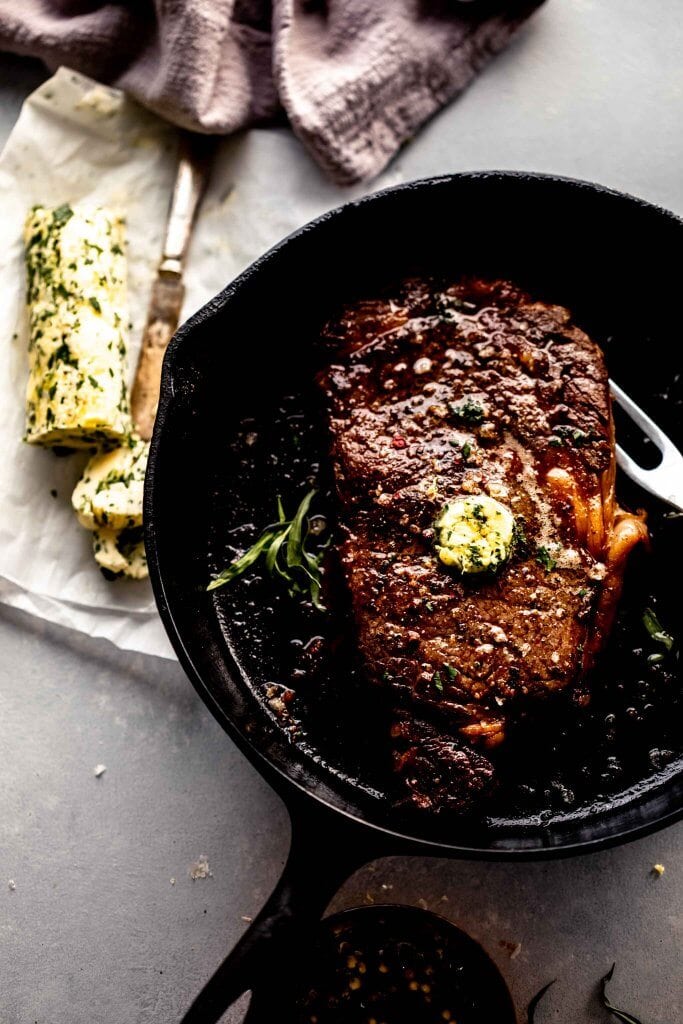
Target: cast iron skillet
(605, 255)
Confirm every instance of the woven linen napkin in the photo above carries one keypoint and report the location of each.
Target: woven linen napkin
(356, 78)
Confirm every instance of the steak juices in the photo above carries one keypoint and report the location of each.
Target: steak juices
(481, 541)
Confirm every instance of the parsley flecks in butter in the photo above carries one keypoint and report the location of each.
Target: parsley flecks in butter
(109, 494)
(474, 534)
(76, 295)
(120, 552)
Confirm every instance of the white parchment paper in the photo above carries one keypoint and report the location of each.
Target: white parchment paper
(77, 141)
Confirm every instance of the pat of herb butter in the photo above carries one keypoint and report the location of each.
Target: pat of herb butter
(474, 534)
(109, 494)
(121, 552)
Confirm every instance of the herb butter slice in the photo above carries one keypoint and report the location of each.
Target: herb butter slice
(76, 394)
(110, 492)
(121, 552)
(474, 534)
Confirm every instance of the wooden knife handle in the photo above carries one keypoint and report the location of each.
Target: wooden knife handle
(168, 290)
(164, 313)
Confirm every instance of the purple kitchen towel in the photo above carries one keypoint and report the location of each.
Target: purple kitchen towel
(355, 77)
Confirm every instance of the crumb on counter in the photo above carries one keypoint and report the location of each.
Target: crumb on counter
(200, 868)
(99, 770)
(658, 870)
(513, 949)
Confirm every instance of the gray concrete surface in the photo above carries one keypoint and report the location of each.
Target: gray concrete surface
(94, 929)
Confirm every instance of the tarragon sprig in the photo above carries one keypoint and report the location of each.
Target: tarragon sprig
(283, 547)
(622, 1015)
(656, 630)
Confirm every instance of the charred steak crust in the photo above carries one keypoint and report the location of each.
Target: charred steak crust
(433, 394)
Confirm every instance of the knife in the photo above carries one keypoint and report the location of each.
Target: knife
(168, 290)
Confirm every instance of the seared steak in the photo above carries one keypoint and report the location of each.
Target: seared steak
(436, 394)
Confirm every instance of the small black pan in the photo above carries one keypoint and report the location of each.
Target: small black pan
(607, 256)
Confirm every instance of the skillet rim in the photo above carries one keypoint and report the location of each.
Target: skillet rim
(289, 787)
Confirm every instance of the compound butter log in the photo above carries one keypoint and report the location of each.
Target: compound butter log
(76, 395)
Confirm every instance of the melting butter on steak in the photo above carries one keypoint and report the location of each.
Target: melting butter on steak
(435, 395)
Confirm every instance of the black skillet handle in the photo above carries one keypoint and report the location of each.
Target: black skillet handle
(325, 849)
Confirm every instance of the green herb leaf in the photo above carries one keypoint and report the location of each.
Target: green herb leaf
(295, 539)
(62, 355)
(466, 450)
(468, 410)
(241, 564)
(475, 554)
(438, 683)
(272, 563)
(656, 630)
(315, 595)
(573, 435)
(283, 545)
(544, 558)
(61, 215)
(519, 539)
(531, 1009)
(95, 303)
(621, 1015)
(451, 672)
